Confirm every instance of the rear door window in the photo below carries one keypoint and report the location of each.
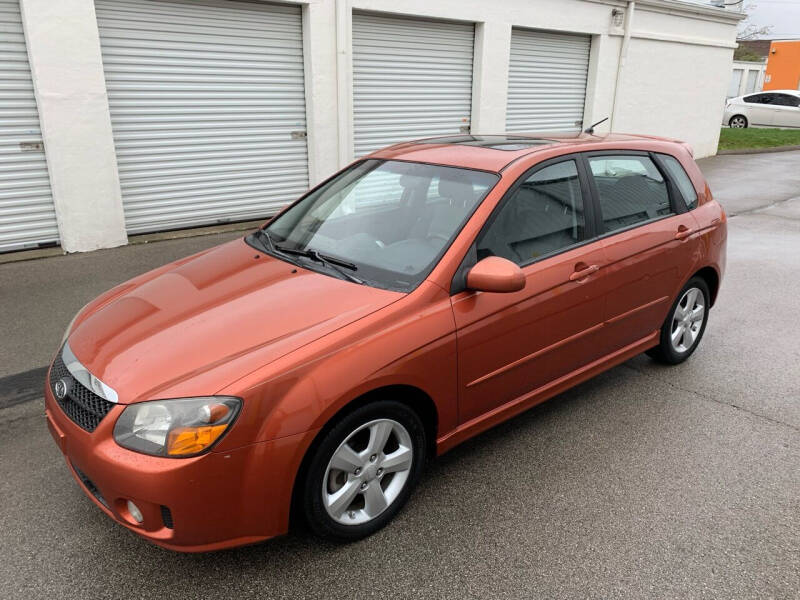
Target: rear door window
(630, 190)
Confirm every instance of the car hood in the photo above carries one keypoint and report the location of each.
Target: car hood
(186, 330)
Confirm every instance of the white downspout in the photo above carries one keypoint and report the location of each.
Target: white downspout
(623, 54)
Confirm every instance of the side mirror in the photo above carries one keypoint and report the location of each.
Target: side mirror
(495, 274)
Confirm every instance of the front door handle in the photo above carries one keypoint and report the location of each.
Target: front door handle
(584, 272)
(683, 232)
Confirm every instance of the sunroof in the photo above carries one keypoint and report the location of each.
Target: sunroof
(495, 142)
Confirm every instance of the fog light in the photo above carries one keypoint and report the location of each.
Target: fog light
(134, 511)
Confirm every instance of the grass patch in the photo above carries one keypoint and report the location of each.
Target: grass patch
(751, 137)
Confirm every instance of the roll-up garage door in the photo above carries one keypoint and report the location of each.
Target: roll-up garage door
(546, 81)
(412, 78)
(207, 107)
(27, 215)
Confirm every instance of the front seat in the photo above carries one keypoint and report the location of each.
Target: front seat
(445, 216)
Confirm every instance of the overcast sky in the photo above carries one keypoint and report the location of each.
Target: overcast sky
(782, 15)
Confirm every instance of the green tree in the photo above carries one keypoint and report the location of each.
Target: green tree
(743, 53)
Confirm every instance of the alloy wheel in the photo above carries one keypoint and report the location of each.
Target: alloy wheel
(367, 472)
(738, 122)
(687, 320)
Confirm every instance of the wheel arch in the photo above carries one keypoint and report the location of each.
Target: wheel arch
(711, 277)
(744, 116)
(414, 397)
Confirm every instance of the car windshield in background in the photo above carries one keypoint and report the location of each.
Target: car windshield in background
(383, 223)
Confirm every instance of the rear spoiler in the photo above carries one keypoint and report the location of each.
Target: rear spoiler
(685, 145)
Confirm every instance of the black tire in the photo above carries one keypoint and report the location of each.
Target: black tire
(735, 117)
(316, 515)
(665, 352)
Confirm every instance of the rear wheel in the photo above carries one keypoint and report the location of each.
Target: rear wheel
(684, 326)
(363, 471)
(738, 121)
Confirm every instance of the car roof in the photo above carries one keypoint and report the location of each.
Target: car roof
(791, 92)
(495, 152)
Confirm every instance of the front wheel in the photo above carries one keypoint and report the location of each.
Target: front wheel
(685, 324)
(363, 471)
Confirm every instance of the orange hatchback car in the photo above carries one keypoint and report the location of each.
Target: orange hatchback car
(420, 296)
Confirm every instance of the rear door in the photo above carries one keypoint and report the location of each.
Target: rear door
(27, 212)
(547, 76)
(412, 78)
(207, 101)
(648, 238)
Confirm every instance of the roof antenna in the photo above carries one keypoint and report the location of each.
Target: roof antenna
(590, 129)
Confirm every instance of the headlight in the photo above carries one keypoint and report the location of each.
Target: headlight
(175, 428)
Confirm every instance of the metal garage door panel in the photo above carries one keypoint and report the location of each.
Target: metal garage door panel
(412, 78)
(546, 81)
(27, 214)
(207, 107)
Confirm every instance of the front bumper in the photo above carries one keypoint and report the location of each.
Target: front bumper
(209, 502)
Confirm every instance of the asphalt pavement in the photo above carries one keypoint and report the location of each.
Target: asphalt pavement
(645, 482)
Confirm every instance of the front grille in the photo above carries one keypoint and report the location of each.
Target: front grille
(80, 404)
(90, 486)
(166, 516)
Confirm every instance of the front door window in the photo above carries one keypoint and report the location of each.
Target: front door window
(544, 216)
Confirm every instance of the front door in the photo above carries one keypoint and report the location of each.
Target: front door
(511, 344)
(760, 109)
(786, 111)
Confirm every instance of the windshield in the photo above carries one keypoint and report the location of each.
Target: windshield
(386, 222)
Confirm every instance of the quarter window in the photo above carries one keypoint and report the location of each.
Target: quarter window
(681, 179)
(544, 215)
(630, 190)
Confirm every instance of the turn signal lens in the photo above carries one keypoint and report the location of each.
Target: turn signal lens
(192, 440)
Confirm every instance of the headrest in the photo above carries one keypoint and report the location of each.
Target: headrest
(461, 191)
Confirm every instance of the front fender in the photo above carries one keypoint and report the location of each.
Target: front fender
(411, 342)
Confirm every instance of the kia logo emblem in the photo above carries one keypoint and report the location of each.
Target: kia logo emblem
(61, 388)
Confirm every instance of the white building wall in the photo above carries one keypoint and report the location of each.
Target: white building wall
(321, 65)
(490, 77)
(678, 67)
(674, 90)
(64, 52)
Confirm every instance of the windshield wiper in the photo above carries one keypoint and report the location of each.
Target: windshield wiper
(268, 245)
(329, 261)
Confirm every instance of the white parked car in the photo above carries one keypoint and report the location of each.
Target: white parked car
(776, 108)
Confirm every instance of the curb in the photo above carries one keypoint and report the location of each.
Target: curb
(759, 150)
(134, 240)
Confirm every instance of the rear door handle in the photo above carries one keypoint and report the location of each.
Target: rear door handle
(583, 273)
(683, 232)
